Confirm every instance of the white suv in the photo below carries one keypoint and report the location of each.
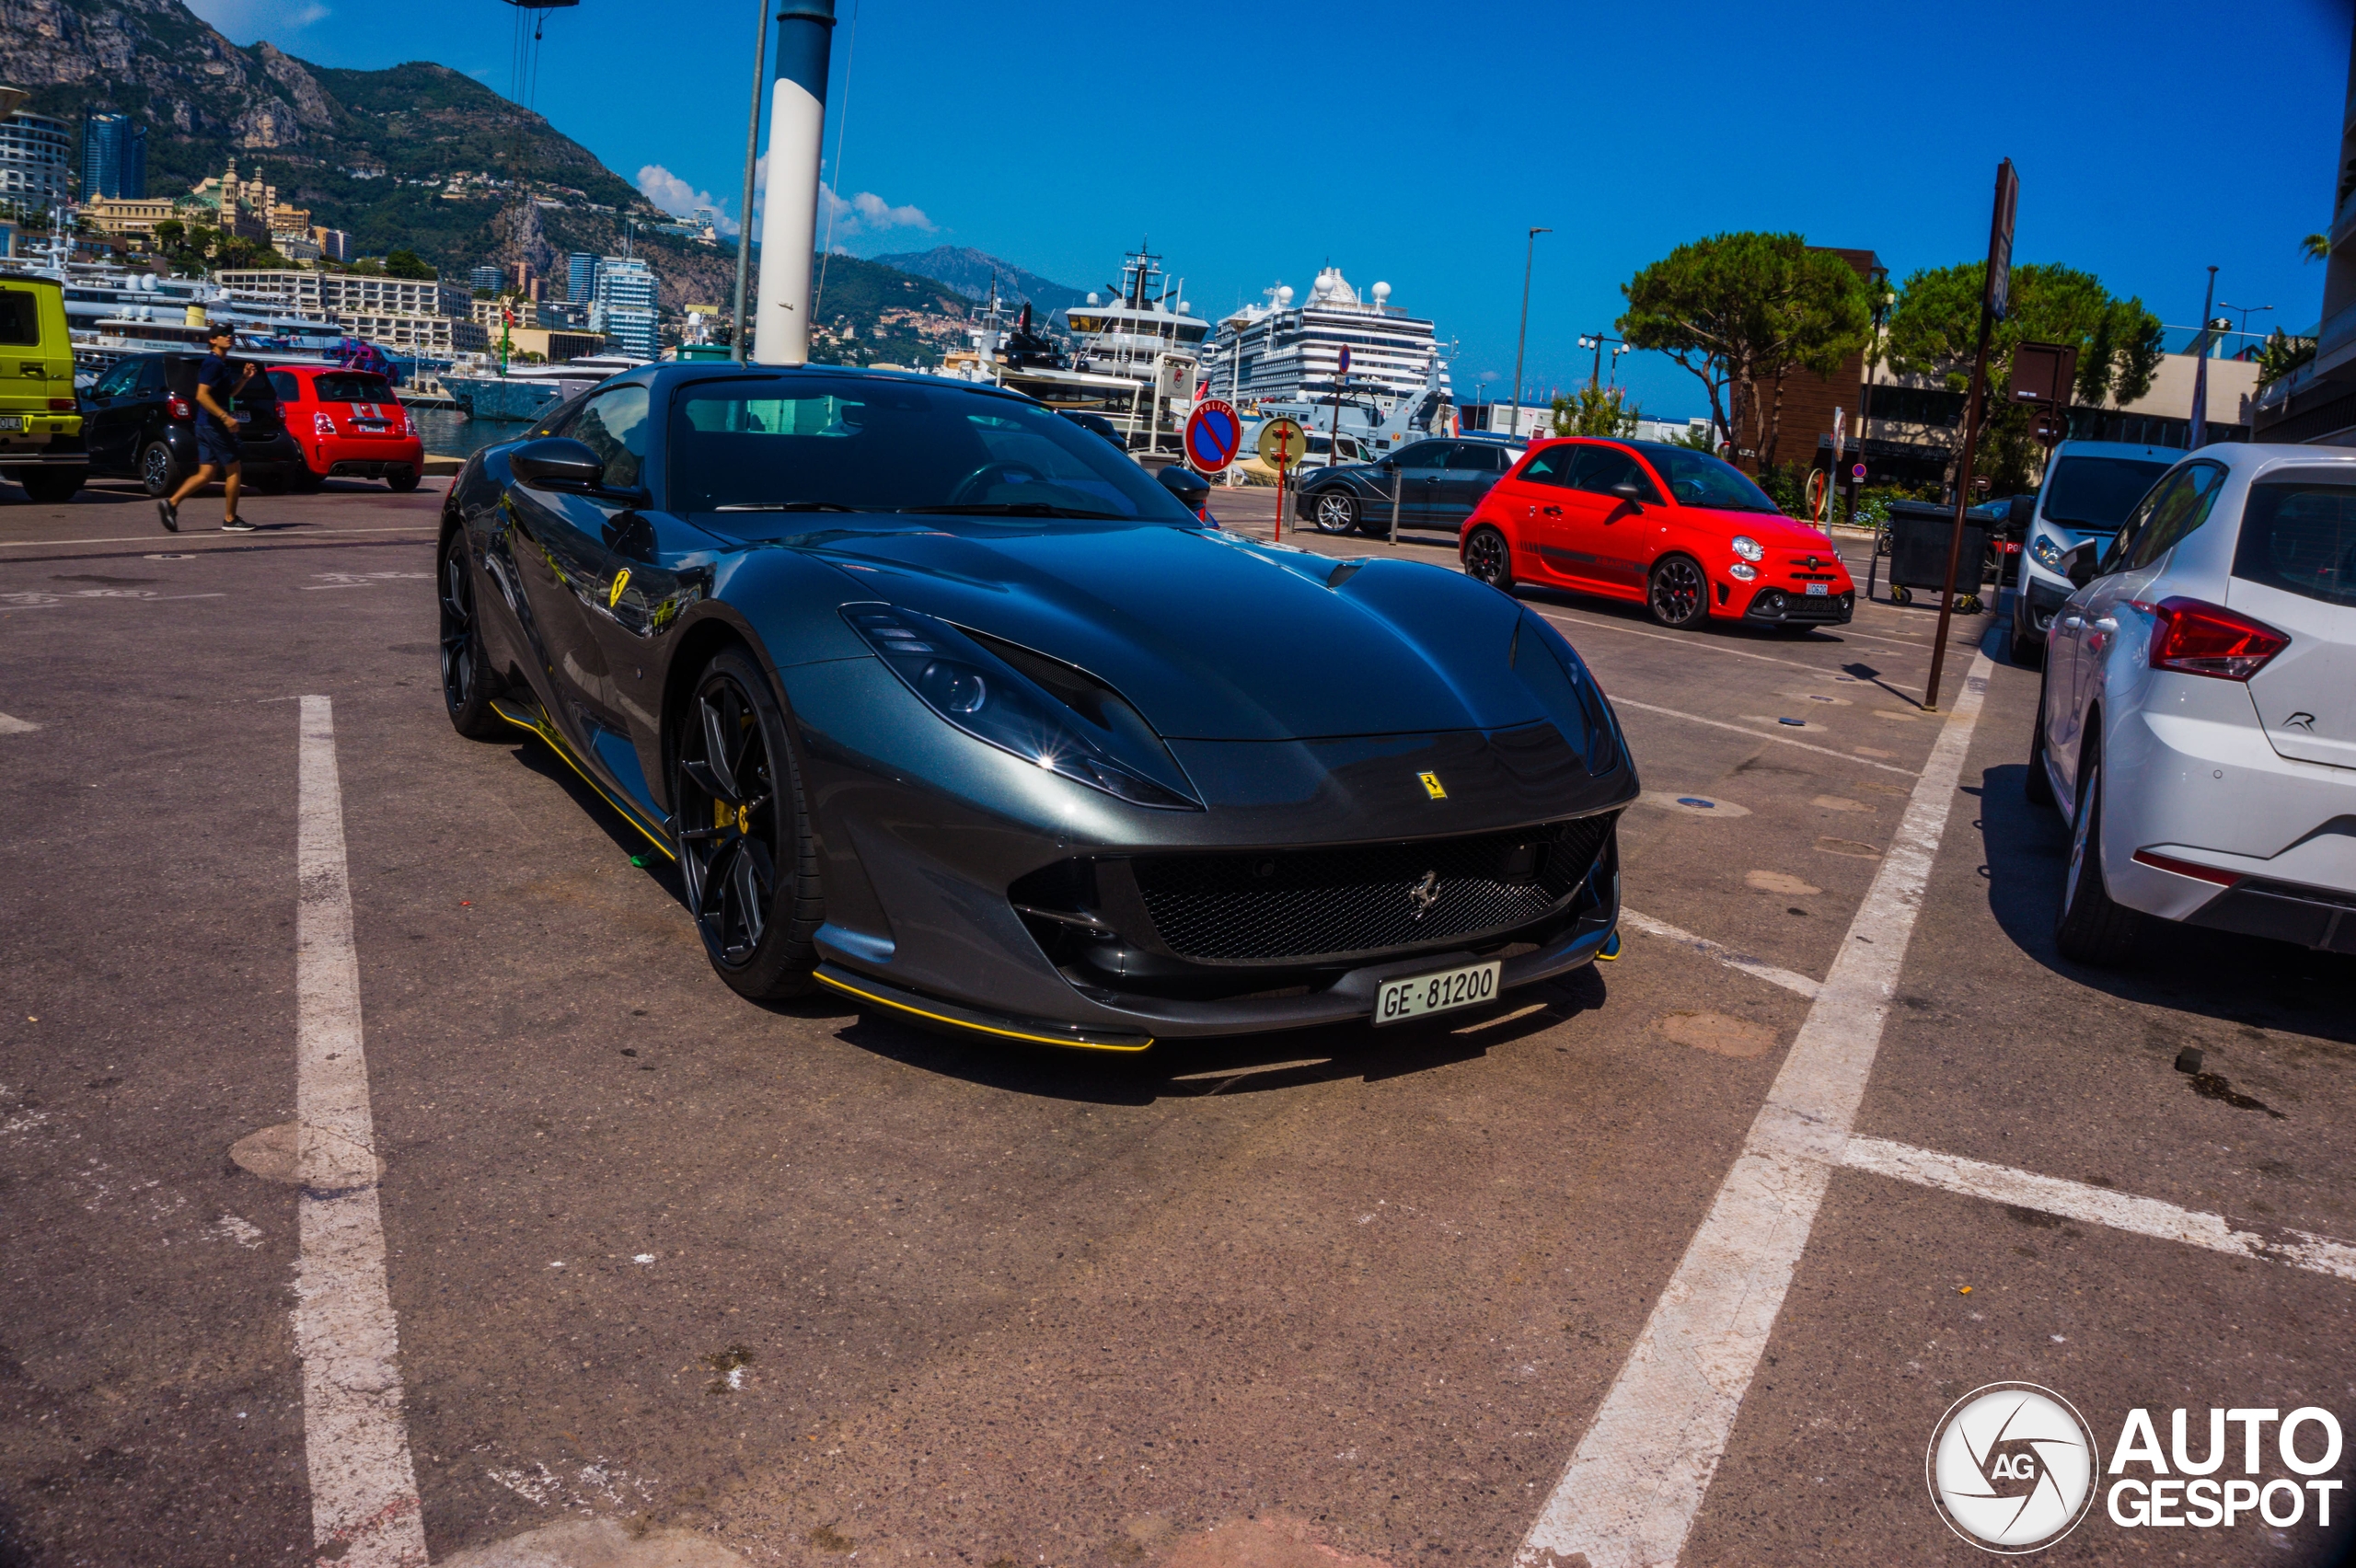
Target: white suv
(2198, 719)
(2090, 486)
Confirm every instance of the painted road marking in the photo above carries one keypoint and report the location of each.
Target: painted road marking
(2098, 1205)
(9, 726)
(1763, 736)
(1635, 1484)
(245, 542)
(1725, 955)
(364, 1508)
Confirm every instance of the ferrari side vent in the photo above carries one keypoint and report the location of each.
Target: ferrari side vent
(1361, 900)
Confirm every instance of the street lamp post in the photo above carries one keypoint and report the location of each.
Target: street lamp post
(1522, 339)
(1596, 341)
(2247, 312)
(789, 214)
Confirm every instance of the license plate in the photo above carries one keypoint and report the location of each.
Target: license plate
(244, 418)
(1419, 994)
(12, 421)
(1818, 590)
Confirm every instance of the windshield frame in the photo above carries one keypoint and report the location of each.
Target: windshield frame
(990, 406)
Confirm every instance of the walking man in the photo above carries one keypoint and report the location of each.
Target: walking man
(217, 386)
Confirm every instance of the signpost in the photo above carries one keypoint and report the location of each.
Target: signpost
(1341, 374)
(1214, 436)
(1282, 441)
(1993, 302)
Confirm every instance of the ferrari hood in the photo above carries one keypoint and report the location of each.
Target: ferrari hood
(1210, 636)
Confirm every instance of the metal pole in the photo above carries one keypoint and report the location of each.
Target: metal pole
(1394, 503)
(790, 218)
(1962, 503)
(752, 162)
(1522, 338)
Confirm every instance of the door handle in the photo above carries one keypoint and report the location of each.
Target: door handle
(1554, 511)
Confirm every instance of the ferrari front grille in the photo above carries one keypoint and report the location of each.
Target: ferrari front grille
(1362, 899)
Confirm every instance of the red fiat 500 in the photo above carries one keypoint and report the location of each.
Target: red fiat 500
(348, 422)
(1685, 534)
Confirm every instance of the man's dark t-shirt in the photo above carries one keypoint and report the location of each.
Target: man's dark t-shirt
(220, 375)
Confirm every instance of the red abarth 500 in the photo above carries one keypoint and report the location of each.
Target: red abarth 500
(348, 422)
(1685, 534)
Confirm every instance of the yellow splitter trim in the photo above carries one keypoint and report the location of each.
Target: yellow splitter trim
(981, 1028)
(556, 743)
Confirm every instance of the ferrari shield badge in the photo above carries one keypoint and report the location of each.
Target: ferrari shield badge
(1432, 786)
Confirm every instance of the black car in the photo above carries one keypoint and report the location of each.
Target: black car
(1439, 481)
(139, 422)
(942, 702)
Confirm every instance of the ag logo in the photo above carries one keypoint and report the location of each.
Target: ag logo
(2011, 1468)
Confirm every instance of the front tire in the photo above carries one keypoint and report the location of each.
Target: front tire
(2038, 786)
(1490, 559)
(1334, 512)
(52, 487)
(743, 834)
(2092, 927)
(159, 471)
(1678, 594)
(466, 684)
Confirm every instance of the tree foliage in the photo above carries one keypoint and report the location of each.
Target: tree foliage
(1596, 411)
(2282, 353)
(1740, 311)
(407, 264)
(1934, 330)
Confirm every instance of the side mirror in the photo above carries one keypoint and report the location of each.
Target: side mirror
(1629, 491)
(559, 461)
(2024, 513)
(2077, 563)
(1192, 489)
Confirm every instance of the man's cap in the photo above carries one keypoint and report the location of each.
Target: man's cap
(220, 329)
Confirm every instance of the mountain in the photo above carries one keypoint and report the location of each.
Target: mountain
(969, 272)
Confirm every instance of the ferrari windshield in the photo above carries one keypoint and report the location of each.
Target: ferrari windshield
(825, 444)
(1696, 478)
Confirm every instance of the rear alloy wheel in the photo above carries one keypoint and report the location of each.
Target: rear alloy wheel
(745, 849)
(467, 685)
(1490, 559)
(159, 471)
(2092, 927)
(1679, 595)
(1335, 512)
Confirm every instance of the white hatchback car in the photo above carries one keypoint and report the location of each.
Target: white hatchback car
(2198, 720)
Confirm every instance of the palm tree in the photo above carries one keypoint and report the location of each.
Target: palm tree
(2316, 246)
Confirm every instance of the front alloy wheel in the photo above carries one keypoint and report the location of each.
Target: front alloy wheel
(1679, 595)
(744, 854)
(1335, 512)
(467, 686)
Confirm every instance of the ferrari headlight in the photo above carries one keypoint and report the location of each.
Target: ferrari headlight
(1048, 713)
(1749, 548)
(2048, 551)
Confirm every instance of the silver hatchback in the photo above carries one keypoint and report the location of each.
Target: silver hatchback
(2197, 725)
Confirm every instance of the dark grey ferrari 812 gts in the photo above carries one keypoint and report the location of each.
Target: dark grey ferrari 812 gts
(941, 701)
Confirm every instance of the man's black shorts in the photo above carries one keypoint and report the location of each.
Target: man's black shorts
(216, 445)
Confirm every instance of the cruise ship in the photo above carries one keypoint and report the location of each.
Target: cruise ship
(1284, 357)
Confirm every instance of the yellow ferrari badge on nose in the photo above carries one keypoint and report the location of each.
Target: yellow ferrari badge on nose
(621, 581)
(1432, 786)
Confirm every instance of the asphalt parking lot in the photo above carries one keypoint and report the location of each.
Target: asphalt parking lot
(1687, 1255)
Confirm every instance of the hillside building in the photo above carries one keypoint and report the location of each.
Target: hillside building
(33, 161)
(406, 315)
(114, 157)
(623, 306)
(580, 277)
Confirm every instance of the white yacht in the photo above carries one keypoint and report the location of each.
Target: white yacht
(1284, 357)
(1132, 329)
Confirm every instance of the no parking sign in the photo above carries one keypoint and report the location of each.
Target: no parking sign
(1214, 436)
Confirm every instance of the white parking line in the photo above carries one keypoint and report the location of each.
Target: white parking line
(2098, 1206)
(1763, 736)
(1635, 1484)
(244, 540)
(364, 1508)
(1566, 618)
(1725, 955)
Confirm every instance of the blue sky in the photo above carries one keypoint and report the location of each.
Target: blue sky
(1415, 145)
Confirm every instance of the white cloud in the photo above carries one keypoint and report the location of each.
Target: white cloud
(864, 215)
(679, 199)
